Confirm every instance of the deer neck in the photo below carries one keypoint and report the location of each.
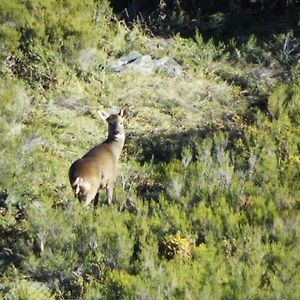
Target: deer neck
(117, 141)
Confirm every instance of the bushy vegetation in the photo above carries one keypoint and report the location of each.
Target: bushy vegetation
(207, 199)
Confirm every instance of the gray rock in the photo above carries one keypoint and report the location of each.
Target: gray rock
(118, 65)
(169, 66)
(145, 64)
(131, 57)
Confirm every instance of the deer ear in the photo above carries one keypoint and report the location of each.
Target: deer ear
(124, 111)
(103, 115)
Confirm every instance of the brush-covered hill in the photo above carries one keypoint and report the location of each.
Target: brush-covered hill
(206, 203)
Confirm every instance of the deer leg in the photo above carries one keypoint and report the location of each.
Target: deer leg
(109, 190)
(96, 200)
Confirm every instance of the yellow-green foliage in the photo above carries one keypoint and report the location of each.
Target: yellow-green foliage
(26, 290)
(67, 25)
(12, 17)
(177, 245)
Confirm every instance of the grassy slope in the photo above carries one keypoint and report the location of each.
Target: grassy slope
(160, 106)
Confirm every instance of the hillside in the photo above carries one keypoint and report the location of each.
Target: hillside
(206, 203)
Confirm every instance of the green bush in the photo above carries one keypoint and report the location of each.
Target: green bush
(13, 16)
(26, 290)
(36, 35)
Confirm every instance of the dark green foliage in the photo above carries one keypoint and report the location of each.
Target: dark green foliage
(222, 19)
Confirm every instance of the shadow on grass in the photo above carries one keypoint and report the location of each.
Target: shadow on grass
(163, 147)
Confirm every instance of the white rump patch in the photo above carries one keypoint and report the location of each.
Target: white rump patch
(76, 181)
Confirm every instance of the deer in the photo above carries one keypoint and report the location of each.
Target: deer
(97, 169)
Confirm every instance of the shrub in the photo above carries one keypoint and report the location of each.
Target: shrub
(177, 245)
(26, 290)
(13, 16)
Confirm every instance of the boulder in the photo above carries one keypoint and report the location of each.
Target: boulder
(145, 64)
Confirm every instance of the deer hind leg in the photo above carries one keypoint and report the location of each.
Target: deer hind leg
(109, 190)
(96, 200)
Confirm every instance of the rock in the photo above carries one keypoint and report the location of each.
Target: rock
(145, 64)
(131, 57)
(118, 65)
(169, 66)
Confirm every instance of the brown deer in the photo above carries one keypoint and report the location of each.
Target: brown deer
(98, 167)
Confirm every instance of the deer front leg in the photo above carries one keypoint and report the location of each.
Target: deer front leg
(109, 190)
